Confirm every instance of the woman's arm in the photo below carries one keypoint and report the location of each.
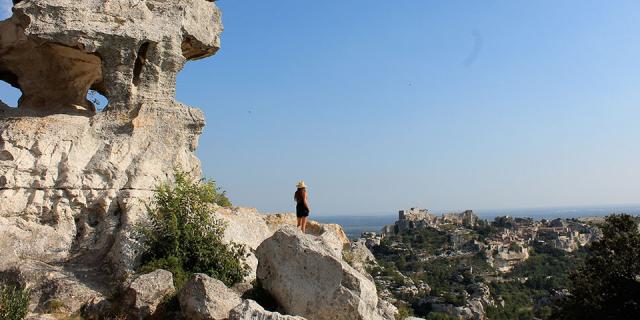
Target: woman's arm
(306, 203)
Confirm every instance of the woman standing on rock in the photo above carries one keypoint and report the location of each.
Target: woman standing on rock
(302, 206)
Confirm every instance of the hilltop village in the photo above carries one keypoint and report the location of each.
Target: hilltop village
(505, 239)
(455, 265)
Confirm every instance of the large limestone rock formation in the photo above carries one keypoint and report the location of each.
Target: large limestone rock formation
(307, 278)
(73, 181)
(249, 227)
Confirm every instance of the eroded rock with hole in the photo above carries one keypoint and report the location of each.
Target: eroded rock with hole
(128, 50)
(73, 183)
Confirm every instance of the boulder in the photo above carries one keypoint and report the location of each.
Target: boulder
(244, 226)
(206, 298)
(249, 227)
(307, 279)
(251, 310)
(333, 234)
(275, 221)
(147, 291)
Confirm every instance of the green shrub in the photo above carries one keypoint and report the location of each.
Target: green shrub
(53, 306)
(14, 302)
(184, 238)
(404, 312)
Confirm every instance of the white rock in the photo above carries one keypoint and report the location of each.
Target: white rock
(206, 298)
(147, 291)
(360, 256)
(249, 227)
(251, 310)
(304, 275)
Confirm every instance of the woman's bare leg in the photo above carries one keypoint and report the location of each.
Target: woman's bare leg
(304, 224)
(299, 225)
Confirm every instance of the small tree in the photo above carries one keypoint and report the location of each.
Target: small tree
(184, 238)
(607, 286)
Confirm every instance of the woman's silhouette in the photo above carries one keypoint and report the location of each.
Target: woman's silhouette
(302, 206)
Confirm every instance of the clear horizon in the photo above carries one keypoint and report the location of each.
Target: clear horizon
(380, 106)
(630, 208)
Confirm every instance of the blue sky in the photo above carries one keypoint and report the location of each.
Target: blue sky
(440, 104)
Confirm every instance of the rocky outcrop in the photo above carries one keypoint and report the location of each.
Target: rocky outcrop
(249, 227)
(147, 291)
(73, 182)
(129, 51)
(206, 298)
(359, 256)
(307, 278)
(251, 310)
(275, 221)
(480, 291)
(505, 257)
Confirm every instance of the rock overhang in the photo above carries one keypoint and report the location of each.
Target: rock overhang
(54, 51)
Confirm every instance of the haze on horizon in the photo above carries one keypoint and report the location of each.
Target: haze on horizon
(450, 104)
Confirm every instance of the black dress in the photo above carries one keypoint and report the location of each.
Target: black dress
(301, 210)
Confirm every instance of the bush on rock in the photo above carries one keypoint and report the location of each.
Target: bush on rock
(184, 238)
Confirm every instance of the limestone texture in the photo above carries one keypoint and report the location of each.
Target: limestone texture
(251, 310)
(359, 256)
(74, 181)
(147, 291)
(249, 227)
(206, 298)
(128, 50)
(304, 275)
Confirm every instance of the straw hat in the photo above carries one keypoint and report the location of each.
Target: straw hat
(301, 184)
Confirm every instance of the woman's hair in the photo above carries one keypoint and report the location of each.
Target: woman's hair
(299, 195)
